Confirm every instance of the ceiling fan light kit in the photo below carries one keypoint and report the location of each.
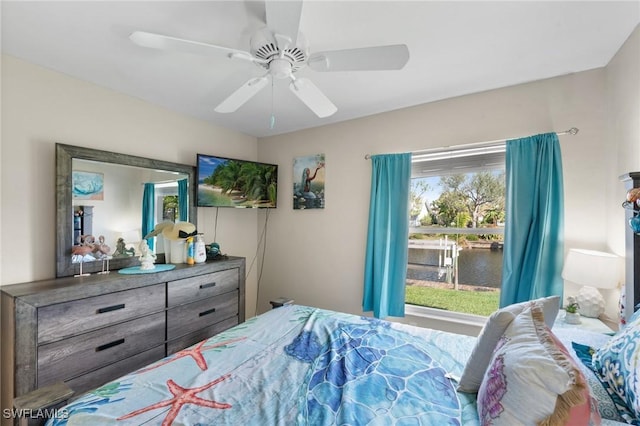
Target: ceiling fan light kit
(282, 50)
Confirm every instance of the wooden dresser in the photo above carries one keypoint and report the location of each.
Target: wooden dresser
(87, 331)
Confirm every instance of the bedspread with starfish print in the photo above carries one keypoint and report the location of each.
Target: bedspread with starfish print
(291, 365)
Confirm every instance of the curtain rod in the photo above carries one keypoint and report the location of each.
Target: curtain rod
(571, 131)
(161, 182)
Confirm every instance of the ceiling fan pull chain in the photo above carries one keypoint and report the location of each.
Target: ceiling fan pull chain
(272, 121)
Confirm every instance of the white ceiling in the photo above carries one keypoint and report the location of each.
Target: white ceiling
(456, 48)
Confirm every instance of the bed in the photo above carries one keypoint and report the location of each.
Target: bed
(309, 366)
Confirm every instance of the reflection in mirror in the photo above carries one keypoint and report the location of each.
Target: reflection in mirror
(108, 206)
(100, 193)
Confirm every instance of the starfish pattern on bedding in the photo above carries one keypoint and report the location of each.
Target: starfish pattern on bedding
(194, 352)
(181, 396)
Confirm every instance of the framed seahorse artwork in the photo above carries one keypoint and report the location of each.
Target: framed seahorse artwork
(308, 182)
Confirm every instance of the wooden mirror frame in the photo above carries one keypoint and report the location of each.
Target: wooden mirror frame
(64, 202)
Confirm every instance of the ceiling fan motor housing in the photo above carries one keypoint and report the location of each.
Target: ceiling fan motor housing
(264, 46)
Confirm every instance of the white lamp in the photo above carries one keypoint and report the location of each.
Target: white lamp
(592, 270)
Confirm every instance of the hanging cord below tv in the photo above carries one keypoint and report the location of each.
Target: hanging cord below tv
(263, 241)
(215, 226)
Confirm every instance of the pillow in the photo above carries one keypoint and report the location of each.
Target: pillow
(610, 406)
(493, 329)
(550, 308)
(532, 379)
(480, 357)
(618, 365)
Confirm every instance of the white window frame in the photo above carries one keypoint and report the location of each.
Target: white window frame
(456, 157)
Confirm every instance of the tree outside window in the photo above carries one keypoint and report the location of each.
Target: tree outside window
(170, 208)
(456, 237)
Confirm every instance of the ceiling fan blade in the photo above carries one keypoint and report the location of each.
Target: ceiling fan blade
(158, 41)
(242, 95)
(283, 18)
(312, 97)
(376, 58)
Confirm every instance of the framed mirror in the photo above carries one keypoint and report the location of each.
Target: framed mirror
(100, 193)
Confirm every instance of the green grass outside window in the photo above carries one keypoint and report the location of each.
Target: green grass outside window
(472, 302)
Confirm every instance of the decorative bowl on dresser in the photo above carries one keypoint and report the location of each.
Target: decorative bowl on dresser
(86, 331)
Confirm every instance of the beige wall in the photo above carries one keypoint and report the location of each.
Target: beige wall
(623, 106)
(48, 107)
(622, 128)
(623, 123)
(317, 257)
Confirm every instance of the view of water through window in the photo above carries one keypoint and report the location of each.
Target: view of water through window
(457, 214)
(477, 267)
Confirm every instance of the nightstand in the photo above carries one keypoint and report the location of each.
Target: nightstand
(586, 323)
(280, 301)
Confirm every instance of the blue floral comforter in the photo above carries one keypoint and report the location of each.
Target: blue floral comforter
(294, 365)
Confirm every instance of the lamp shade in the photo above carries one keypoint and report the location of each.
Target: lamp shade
(592, 268)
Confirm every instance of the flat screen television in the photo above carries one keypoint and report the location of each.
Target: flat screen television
(228, 182)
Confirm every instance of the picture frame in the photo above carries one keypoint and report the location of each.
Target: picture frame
(87, 185)
(308, 182)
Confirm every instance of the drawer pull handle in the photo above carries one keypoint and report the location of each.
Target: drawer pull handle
(213, 284)
(111, 308)
(110, 345)
(210, 311)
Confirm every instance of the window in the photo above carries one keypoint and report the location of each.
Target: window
(456, 234)
(170, 210)
(167, 202)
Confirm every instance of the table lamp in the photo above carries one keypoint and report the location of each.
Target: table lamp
(592, 270)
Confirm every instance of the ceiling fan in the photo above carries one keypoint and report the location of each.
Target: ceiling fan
(281, 50)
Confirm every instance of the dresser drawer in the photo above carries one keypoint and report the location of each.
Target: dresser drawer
(71, 357)
(180, 343)
(71, 318)
(185, 319)
(99, 377)
(201, 286)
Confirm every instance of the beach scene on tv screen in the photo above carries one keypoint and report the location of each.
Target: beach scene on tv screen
(224, 182)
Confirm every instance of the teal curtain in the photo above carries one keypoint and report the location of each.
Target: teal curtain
(534, 228)
(388, 235)
(148, 211)
(183, 201)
